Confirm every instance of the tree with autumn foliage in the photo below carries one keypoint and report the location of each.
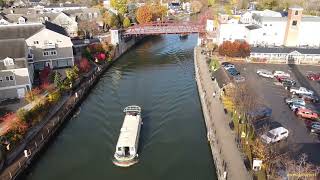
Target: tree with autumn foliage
(234, 49)
(32, 95)
(84, 65)
(144, 14)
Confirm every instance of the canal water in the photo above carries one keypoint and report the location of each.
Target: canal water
(158, 75)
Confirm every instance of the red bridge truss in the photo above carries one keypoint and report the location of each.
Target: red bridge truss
(156, 28)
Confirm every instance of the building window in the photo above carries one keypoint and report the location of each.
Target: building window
(294, 23)
(265, 24)
(9, 78)
(264, 34)
(1, 80)
(296, 13)
(270, 24)
(35, 42)
(53, 53)
(50, 53)
(46, 53)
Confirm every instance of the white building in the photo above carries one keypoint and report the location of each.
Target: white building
(269, 28)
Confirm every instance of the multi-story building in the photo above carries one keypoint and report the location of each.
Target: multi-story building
(290, 38)
(25, 50)
(269, 28)
(15, 74)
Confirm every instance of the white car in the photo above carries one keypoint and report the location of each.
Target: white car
(301, 91)
(266, 74)
(275, 135)
(280, 73)
(295, 106)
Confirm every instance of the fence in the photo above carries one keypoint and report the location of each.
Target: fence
(43, 136)
(35, 145)
(221, 164)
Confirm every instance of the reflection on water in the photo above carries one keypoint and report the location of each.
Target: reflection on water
(158, 76)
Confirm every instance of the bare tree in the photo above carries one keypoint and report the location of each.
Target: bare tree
(301, 169)
(88, 28)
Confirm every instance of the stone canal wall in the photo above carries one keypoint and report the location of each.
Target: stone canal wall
(31, 148)
(226, 156)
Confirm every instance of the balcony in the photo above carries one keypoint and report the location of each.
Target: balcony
(49, 45)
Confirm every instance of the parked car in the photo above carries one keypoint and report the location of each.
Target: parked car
(275, 135)
(260, 113)
(281, 78)
(280, 73)
(287, 85)
(226, 64)
(295, 100)
(301, 91)
(229, 66)
(261, 70)
(315, 128)
(295, 106)
(233, 72)
(313, 76)
(309, 123)
(239, 79)
(307, 113)
(266, 74)
(310, 98)
(288, 80)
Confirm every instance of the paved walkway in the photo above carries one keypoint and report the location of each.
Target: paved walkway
(222, 139)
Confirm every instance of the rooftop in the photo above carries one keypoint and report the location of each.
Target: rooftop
(13, 48)
(129, 131)
(284, 50)
(19, 31)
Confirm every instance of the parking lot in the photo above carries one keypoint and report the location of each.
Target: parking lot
(272, 94)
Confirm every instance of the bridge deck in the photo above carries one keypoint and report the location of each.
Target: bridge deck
(165, 28)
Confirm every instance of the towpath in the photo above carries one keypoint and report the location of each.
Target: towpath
(222, 140)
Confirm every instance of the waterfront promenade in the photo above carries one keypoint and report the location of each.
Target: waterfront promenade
(227, 157)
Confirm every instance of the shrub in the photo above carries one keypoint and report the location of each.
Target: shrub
(84, 65)
(32, 95)
(126, 22)
(54, 97)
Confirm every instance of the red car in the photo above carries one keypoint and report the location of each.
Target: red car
(314, 76)
(281, 78)
(306, 113)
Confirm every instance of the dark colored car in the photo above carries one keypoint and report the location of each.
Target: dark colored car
(260, 113)
(233, 72)
(289, 81)
(310, 123)
(225, 64)
(315, 128)
(287, 85)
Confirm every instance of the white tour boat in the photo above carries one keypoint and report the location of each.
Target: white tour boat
(127, 147)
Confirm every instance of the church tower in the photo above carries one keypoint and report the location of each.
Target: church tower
(291, 37)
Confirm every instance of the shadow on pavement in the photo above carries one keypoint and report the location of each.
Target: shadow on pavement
(307, 148)
(304, 82)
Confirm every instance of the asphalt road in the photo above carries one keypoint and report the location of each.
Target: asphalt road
(272, 95)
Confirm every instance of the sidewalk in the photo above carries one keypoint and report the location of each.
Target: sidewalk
(222, 140)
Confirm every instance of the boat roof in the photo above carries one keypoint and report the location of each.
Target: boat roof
(129, 131)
